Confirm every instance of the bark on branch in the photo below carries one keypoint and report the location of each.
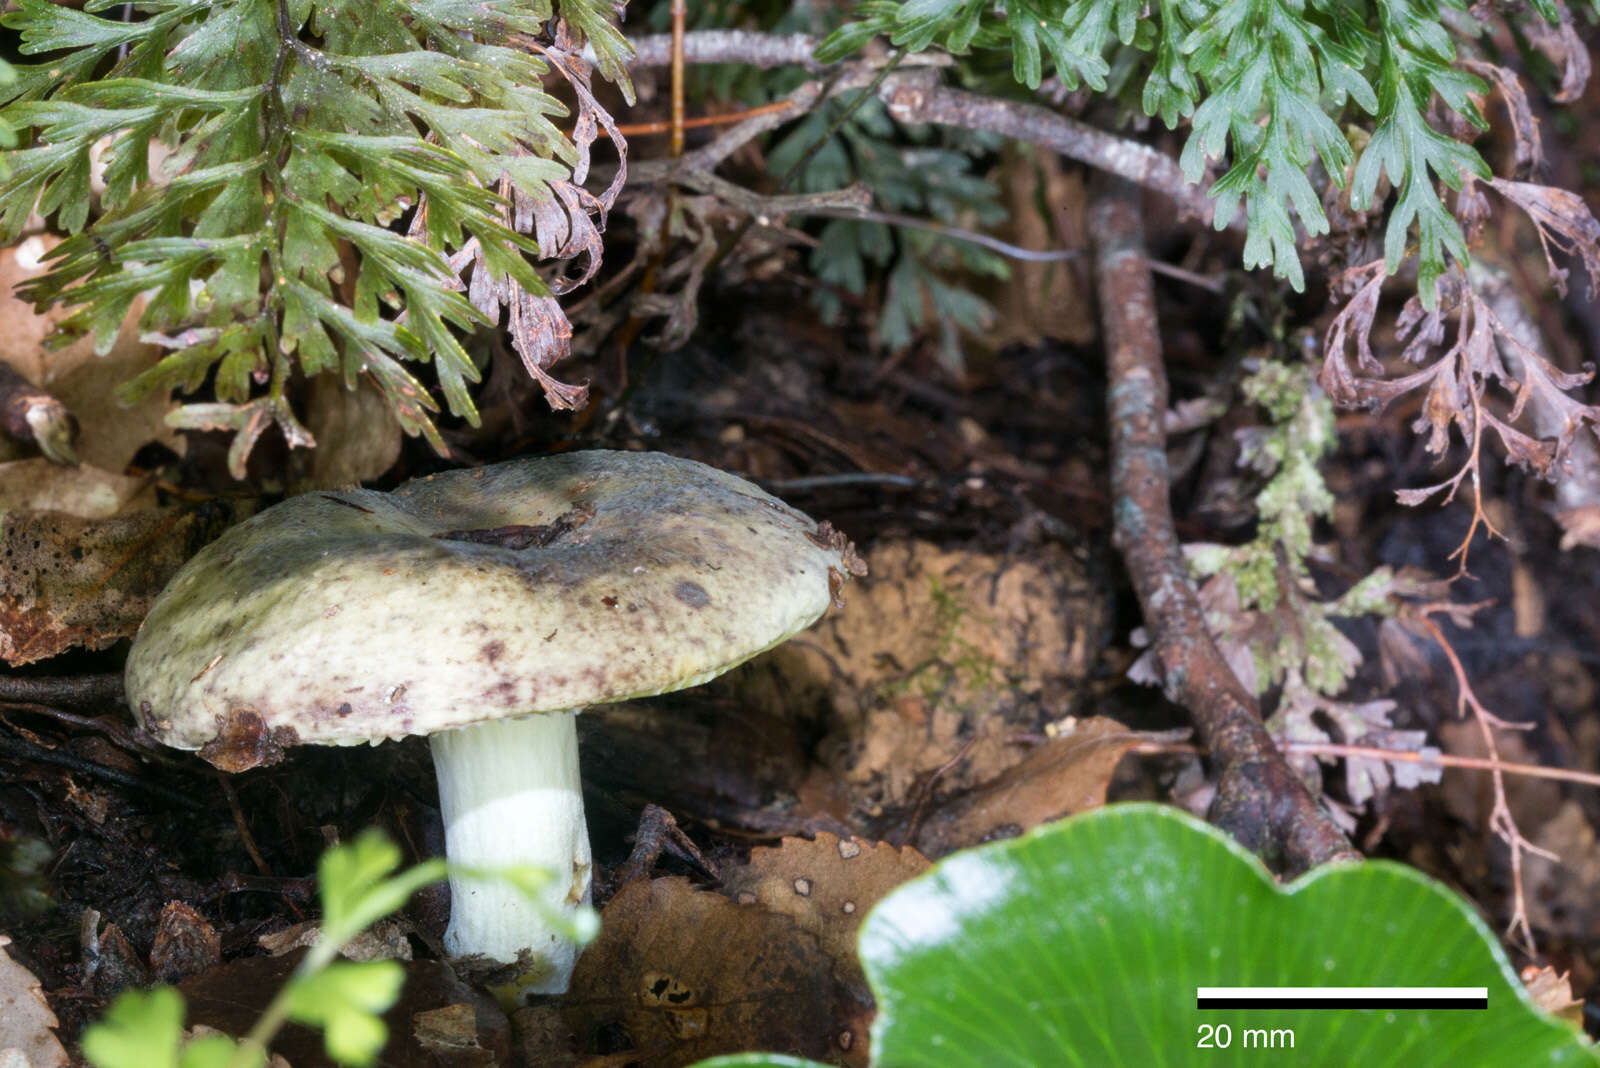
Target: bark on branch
(91, 690)
(763, 50)
(913, 95)
(1260, 800)
(918, 98)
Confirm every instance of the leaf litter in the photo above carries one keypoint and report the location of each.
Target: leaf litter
(27, 1026)
(679, 973)
(924, 725)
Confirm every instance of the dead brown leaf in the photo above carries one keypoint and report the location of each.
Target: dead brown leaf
(384, 940)
(1528, 144)
(567, 220)
(1552, 992)
(110, 964)
(1563, 220)
(1045, 202)
(357, 434)
(185, 944)
(110, 434)
(826, 885)
(1565, 50)
(1065, 775)
(1485, 357)
(542, 336)
(1353, 323)
(451, 1034)
(67, 582)
(88, 492)
(27, 1026)
(679, 974)
(1580, 526)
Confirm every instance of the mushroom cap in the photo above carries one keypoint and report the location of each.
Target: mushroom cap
(538, 585)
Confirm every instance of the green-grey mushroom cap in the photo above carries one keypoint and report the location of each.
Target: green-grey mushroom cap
(538, 585)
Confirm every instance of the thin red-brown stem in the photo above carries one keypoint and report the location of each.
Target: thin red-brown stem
(242, 827)
(680, 12)
(1405, 756)
(696, 122)
(1500, 818)
(1479, 516)
(927, 790)
(1260, 799)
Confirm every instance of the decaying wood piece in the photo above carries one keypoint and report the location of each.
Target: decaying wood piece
(1260, 800)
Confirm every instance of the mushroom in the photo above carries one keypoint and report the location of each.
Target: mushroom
(484, 608)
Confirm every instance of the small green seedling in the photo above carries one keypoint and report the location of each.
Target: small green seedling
(358, 885)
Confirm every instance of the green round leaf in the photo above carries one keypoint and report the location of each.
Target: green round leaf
(1084, 942)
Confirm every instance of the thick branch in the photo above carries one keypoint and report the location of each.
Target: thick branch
(919, 99)
(763, 50)
(1260, 800)
(914, 96)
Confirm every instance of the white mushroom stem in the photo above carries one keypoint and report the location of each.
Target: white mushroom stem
(510, 794)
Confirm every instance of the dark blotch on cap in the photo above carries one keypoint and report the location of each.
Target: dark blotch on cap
(493, 651)
(692, 594)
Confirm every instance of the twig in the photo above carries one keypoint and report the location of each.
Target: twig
(78, 690)
(927, 791)
(1005, 248)
(919, 99)
(22, 749)
(847, 202)
(993, 244)
(658, 833)
(760, 50)
(121, 730)
(241, 826)
(642, 129)
(800, 429)
(852, 203)
(680, 11)
(801, 100)
(1432, 759)
(853, 478)
(839, 120)
(1260, 799)
(1578, 484)
(1444, 760)
(729, 243)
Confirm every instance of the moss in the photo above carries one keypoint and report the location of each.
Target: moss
(955, 663)
(1301, 646)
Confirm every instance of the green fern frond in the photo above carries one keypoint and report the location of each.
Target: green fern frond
(1265, 84)
(299, 135)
